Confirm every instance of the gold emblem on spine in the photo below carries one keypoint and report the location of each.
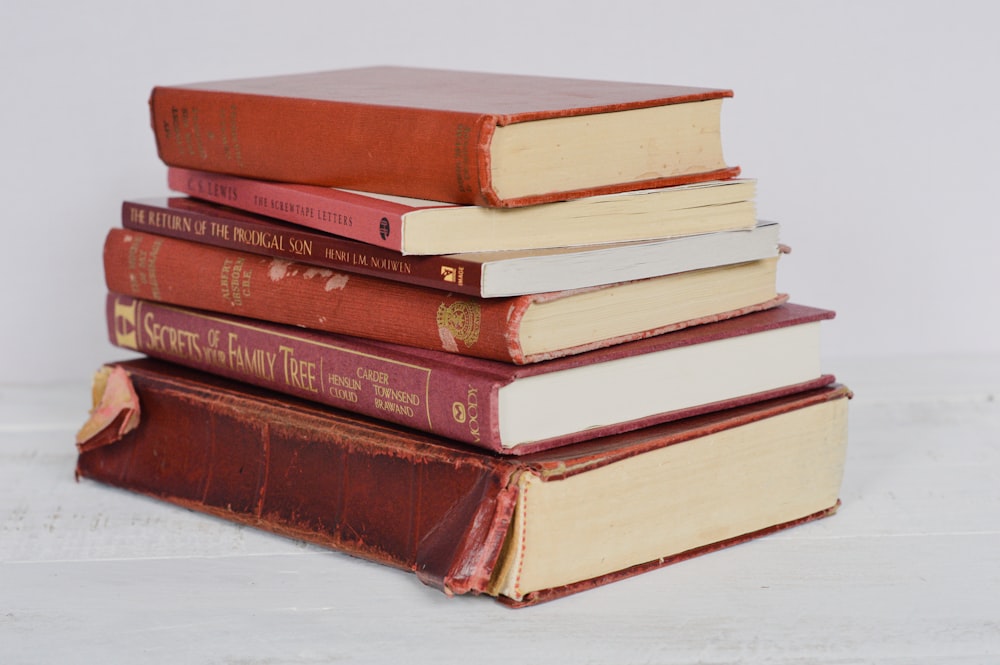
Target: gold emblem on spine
(461, 319)
(125, 333)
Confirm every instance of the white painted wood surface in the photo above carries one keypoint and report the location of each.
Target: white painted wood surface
(907, 572)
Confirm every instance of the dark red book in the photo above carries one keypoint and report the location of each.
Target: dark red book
(482, 274)
(490, 404)
(415, 226)
(464, 137)
(523, 529)
(521, 329)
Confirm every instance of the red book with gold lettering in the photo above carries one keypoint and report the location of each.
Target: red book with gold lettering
(494, 405)
(483, 274)
(521, 329)
(474, 138)
(522, 529)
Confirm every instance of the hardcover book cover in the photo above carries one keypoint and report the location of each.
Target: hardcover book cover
(456, 517)
(521, 329)
(464, 137)
(490, 404)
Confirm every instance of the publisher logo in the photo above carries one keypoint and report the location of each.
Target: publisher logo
(449, 274)
(125, 331)
(468, 412)
(383, 228)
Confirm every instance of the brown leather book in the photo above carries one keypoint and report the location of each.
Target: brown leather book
(522, 529)
(474, 138)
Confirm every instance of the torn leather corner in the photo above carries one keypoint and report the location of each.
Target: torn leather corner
(458, 555)
(115, 410)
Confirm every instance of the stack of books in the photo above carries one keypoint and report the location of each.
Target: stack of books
(518, 335)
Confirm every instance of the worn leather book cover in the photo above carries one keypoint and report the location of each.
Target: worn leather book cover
(521, 329)
(422, 133)
(432, 507)
(420, 227)
(481, 402)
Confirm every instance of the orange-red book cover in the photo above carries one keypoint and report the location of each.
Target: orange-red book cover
(387, 494)
(414, 132)
(191, 274)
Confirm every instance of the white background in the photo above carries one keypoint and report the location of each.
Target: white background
(872, 128)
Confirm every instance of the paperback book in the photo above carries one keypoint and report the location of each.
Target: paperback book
(420, 227)
(482, 274)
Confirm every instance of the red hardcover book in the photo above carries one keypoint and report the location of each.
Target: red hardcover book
(482, 274)
(490, 404)
(523, 529)
(464, 137)
(414, 226)
(521, 329)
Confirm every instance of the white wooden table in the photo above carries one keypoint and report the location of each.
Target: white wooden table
(907, 572)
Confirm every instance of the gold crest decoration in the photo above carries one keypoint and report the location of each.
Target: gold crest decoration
(461, 319)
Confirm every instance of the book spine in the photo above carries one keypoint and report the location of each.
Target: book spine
(339, 372)
(360, 218)
(217, 279)
(420, 153)
(373, 492)
(267, 238)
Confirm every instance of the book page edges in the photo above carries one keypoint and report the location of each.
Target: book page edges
(662, 418)
(518, 356)
(545, 595)
(492, 200)
(559, 463)
(506, 585)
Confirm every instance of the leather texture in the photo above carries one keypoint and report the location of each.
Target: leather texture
(416, 502)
